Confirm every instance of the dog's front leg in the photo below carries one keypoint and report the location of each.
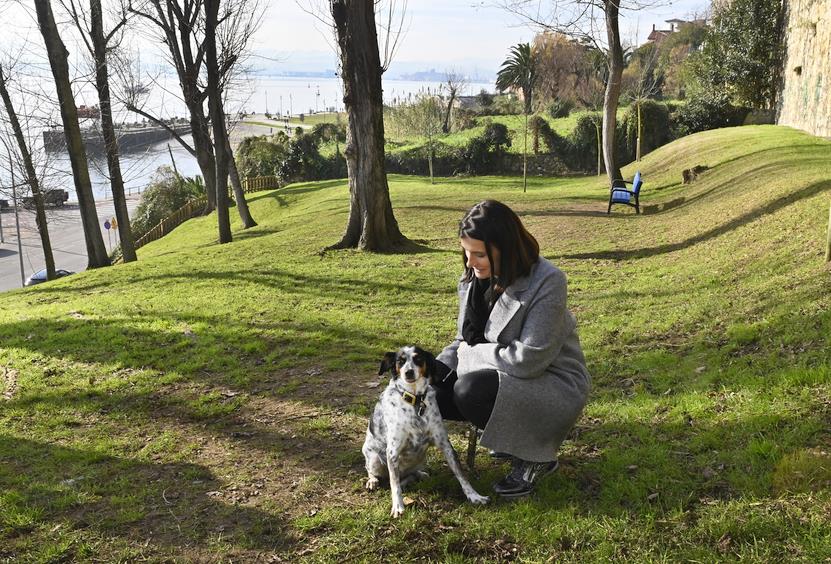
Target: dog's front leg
(443, 443)
(395, 481)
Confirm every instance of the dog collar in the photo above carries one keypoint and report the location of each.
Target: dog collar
(417, 401)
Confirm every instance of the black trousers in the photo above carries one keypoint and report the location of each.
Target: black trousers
(466, 399)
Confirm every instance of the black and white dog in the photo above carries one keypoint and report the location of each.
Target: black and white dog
(406, 420)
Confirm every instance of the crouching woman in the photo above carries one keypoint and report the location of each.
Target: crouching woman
(515, 368)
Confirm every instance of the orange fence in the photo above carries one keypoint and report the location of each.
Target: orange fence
(257, 183)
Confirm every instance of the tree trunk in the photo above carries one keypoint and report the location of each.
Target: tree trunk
(102, 84)
(205, 156)
(610, 99)
(31, 179)
(217, 114)
(239, 194)
(58, 55)
(828, 238)
(430, 159)
(640, 134)
(525, 157)
(599, 148)
(445, 128)
(371, 225)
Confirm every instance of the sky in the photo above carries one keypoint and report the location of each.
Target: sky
(468, 35)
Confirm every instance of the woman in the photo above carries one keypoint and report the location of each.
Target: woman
(515, 369)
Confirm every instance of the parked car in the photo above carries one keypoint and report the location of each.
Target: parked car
(40, 276)
(53, 197)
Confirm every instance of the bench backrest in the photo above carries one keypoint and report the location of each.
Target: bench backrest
(637, 182)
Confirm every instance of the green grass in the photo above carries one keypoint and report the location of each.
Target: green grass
(209, 402)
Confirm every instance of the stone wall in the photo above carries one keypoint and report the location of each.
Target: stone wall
(805, 100)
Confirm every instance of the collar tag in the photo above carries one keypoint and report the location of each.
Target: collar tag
(417, 401)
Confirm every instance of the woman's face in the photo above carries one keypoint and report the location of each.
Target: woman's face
(476, 256)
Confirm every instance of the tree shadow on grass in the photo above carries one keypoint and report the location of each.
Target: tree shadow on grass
(168, 507)
(735, 223)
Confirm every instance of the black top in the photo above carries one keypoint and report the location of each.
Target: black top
(480, 302)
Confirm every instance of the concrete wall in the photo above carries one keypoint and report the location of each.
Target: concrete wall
(805, 101)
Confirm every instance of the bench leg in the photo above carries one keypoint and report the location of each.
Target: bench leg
(472, 438)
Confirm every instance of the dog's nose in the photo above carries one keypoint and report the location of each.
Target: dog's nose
(409, 374)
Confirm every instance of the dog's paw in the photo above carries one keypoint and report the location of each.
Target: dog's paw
(371, 483)
(477, 499)
(397, 510)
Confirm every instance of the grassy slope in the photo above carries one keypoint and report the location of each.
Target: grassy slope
(209, 401)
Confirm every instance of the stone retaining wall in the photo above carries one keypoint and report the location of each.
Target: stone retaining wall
(805, 100)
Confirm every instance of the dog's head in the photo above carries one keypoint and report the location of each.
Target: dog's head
(410, 363)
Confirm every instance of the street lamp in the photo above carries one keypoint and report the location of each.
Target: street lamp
(16, 216)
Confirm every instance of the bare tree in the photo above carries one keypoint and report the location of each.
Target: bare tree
(179, 24)
(99, 44)
(595, 22)
(217, 119)
(455, 82)
(423, 117)
(58, 61)
(371, 224)
(641, 83)
(29, 174)
(182, 26)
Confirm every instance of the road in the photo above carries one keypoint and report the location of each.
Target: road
(65, 232)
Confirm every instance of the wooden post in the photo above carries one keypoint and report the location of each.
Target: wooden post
(828, 238)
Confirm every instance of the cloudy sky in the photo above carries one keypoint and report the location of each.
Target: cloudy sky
(469, 35)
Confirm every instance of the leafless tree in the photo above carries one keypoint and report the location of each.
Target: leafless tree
(371, 225)
(58, 61)
(593, 22)
(23, 159)
(217, 114)
(455, 82)
(641, 82)
(100, 43)
(181, 24)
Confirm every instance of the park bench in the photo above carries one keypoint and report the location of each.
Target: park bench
(619, 194)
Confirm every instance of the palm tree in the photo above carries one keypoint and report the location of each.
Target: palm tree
(518, 71)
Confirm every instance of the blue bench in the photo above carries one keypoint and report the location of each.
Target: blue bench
(619, 194)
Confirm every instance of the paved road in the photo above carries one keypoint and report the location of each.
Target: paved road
(65, 232)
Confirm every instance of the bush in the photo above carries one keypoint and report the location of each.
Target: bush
(554, 142)
(262, 156)
(656, 129)
(485, 99)
(293, 159)
(708, 110)
(166, 193)
(482, 154)
(506, 104)
(583, 143)
(560, 108)
(463, 119)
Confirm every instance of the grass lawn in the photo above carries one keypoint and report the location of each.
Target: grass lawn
(208, 403)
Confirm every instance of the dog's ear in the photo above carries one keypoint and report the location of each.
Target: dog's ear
(387, 363)
(430, 364)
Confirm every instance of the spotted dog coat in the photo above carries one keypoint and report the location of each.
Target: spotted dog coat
(406, 420)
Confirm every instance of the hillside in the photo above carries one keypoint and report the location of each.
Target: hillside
(209, 402)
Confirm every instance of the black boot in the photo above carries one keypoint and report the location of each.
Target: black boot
(520, 481)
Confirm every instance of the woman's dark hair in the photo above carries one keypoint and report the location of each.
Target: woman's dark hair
(498, 226)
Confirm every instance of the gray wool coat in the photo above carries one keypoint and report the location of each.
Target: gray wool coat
(533, 344)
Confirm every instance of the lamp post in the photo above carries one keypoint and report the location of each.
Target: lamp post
(16, 216)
